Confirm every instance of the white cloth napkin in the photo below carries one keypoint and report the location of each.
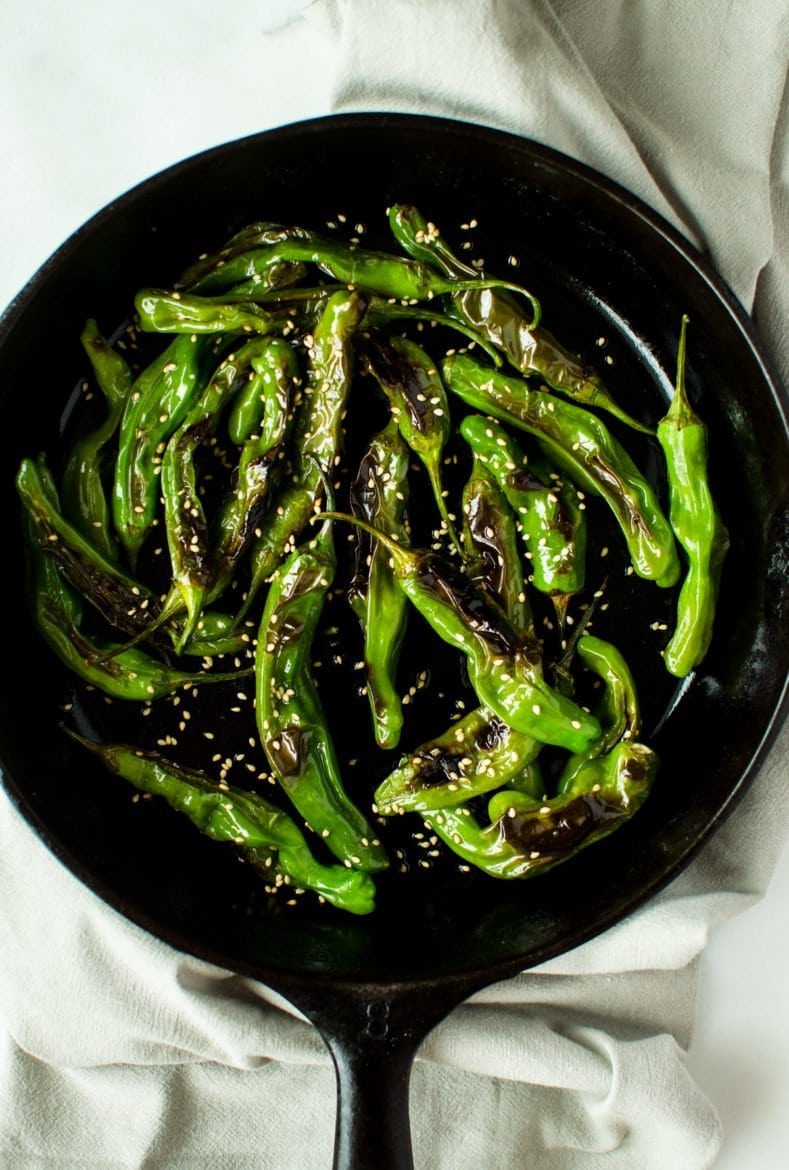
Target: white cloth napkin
(121, 1053)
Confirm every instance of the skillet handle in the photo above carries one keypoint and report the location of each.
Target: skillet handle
(373, 1068)
(373, 1032)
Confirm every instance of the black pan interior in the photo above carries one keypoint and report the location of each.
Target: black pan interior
(604, 267)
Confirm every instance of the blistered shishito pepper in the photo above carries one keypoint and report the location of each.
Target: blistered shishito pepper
(318, 436)
(530, 836)
(118, 672)
(262, 451)
(372, 272)
(553, 527)
(161, 311)
(291, 720)
(184, 516)
(379, 495)
(157, 405)
(696, 522)
(528, 345)
(266, 836)
(505, 668)
(490, 540)
(84, 499)
(263, 406)
(478, 753)
(215, 270)
(582, 446)
(618, 712)
(475, 755)
(411, 381)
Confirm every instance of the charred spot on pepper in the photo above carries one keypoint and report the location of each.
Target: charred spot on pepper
(449, 585)
(391, 368)
(492, 734)
(288, 753)
(563, 829)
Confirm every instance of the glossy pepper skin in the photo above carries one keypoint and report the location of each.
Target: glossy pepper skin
(475, 755)
(290, 718)
(84, 499)
(215, 270)
(696, 523)
(582, 446)
(618, 711)
(372, 272)
(478, 753)
(127, 674)
(530, 837)
(379, 495)
(552, 526)
(157, 405)
(505, 669)
(266, 836)
(184, 517)
(262, 427)
(161, 311)
(121, 600)
(529, 347)
(490, 540)
(411, 381)
(318, 437)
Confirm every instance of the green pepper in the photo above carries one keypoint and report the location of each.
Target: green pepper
(118, 672)
(84, 500)
(379, 495)
(529, 838)
(184, 516)
(581, 445)
(215, 270)
(290, 718)
(618, 712)
(696, 523)
(551, 523)
(473, 756)
(372, 272)
(243, 509)
(505, 668)
(160, 311)
(409, 378)
(491, 544)
(267, 837)
(159, 401)
(318, 436)
(529, 347)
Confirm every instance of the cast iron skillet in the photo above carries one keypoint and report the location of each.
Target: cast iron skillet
(605, 266)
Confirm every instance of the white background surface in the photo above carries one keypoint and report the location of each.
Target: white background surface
(91, 103)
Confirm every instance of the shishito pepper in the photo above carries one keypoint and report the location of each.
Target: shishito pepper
(582, 446)
(266, 836)
(618, 711)
(491, 543)
(373, 272)
(475, 755)
(318, 436)
(411, 381)
(552, 525)
(121, 673)
(157, 405)
(528, 345)
(379, 495)
(291, 720)
(84, 499)
(505, 668)
(696, 522)
(530, 836)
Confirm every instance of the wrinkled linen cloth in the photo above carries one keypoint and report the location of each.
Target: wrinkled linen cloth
(122, 1054)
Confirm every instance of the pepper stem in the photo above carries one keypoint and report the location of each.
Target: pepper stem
(398, 552)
